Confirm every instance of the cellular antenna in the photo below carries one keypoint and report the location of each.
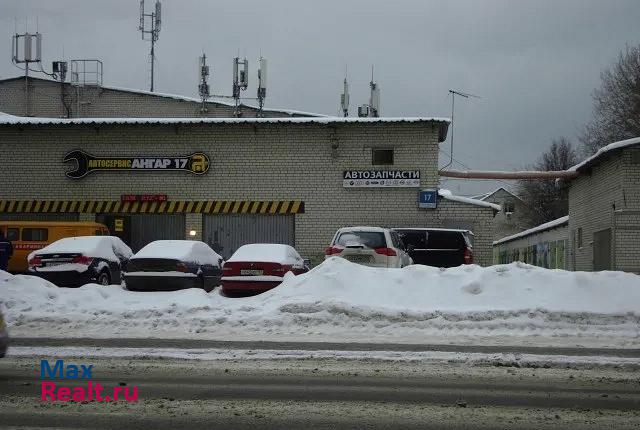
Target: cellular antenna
(240, 80)
(150, 28)
(373, 108)
(374, 98)
(203, 86)
(26, 48)
(262, 83)
(344, 97)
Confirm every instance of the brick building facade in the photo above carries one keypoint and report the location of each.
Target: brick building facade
(285, 175)
(604, 210)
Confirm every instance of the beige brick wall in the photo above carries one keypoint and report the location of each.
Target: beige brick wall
(45, 101)
(249, 161)
(607, 197)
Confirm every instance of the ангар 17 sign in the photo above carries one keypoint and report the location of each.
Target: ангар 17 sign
(380, 178)
(196, 163)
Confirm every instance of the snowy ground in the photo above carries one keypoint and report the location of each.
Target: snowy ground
(340, 301)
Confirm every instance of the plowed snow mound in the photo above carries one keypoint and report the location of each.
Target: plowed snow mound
(341, 301)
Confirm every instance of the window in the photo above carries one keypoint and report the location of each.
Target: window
(396, 240)
(509, 206)
(579, 237)
(35, 234)
(369, 239)
(13, 234)
(417, 239)
(438, 239)
(98, 232)
(382, 156)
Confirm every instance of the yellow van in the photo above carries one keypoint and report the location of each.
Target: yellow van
(27, 236)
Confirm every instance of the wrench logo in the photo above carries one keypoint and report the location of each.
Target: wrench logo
(196, 163)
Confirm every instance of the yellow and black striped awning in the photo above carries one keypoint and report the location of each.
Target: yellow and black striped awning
(271, 207)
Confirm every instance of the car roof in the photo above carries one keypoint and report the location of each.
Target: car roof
(363, 228)
(434, 229)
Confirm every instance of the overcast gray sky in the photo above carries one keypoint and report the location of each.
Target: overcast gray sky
(534, 63)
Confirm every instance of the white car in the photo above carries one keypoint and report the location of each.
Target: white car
(370, 246)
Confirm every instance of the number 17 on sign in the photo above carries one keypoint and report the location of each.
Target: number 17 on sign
(428, 199)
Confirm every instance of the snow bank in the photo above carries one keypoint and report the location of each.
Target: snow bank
(342, 301)
(191, 251)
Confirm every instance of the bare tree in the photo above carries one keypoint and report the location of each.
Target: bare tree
(547, 200)
(616, 104)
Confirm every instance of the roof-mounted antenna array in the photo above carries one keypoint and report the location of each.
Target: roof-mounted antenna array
(344, 97)
(150, 29)
(373, 108)
(240, 80)
(26, 48)
(262, 83)
(203, 86)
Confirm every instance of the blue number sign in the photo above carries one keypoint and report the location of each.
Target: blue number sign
(428, 199)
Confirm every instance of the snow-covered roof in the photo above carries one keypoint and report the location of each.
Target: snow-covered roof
(266, 253)
(18, 120)
(191, 251)
(485, 196)
(364, 228)
(91, 246)
(542, 227)
(446, 194)
(604, 150)
(434, 229)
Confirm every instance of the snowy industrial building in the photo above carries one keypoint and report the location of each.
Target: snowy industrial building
(173, 174)
(602, 230)
(542, 246)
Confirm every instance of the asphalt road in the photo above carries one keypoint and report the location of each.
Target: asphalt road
(326, 394)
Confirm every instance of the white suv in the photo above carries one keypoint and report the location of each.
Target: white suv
(370, 246)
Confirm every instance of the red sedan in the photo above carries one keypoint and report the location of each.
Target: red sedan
(260, 267)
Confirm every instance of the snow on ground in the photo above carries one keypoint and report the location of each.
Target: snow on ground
(341, 301)
(473, 358)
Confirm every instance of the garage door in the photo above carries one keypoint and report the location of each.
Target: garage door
(226, 233)
(137, 230)
(38, 217)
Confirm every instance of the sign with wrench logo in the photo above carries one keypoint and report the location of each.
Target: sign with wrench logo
(197, 163)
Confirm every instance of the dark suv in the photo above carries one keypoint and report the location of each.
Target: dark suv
(439, 247)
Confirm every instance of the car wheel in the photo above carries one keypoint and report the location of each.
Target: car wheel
(104, 278)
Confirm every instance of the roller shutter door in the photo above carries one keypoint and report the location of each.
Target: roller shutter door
(140, 229)
(226, 233)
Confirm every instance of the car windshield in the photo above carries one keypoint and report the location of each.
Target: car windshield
(369, 239)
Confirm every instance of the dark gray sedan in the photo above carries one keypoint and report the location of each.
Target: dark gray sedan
(166, 265)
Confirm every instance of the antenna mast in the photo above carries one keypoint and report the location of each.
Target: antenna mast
(150, 29)
(203, 86)
(240, 81)
(262, 84)
(344, 97)
(373, 108)
(26, 48)
(453, 104)
(374, 99)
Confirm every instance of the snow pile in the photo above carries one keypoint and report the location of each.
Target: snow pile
(342, 301)
(191, 251)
